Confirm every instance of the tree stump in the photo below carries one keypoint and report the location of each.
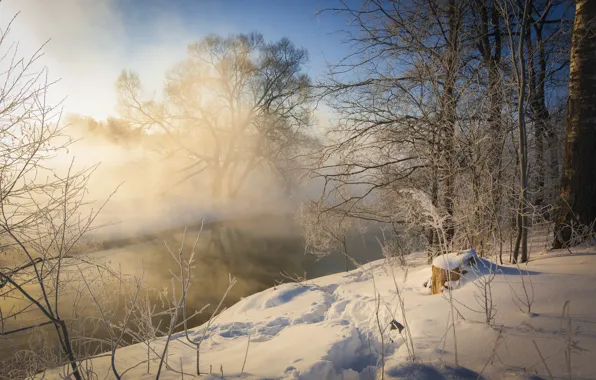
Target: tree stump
(441, 276)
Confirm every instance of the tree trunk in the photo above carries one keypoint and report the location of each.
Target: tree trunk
(450, 115)
(491, 51)
(433, 239)
(522, 239)
(578, 185)
(539, 128)
(554, 176)
(67, 348)
(542, 116)
(537, 102)
(537, 115)
(440, 277)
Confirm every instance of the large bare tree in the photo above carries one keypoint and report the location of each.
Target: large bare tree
(236, 105)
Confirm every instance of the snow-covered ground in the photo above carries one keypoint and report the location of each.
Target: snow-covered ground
(338, 327)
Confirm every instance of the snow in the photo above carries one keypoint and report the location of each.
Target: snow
(330, 327)
(455, 260)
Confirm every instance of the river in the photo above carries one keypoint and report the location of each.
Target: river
(255, 251)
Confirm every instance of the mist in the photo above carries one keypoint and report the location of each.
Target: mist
(119, 80)
(147, 194)
(86, 46)
(87, 43)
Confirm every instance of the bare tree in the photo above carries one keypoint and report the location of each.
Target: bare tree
(42, 210)
(547, 45)
(326, 232)
(408, 115)
(516, 26)
(442, 97)
(236, 105)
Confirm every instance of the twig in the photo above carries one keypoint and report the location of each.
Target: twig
(245, 354)
(550, 375)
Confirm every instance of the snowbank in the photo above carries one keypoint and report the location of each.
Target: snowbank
(339, 327)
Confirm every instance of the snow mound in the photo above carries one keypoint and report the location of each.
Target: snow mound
(455, 260)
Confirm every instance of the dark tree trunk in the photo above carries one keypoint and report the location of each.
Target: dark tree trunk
(491, 51)
(449, 112)
(534, 99)
(554, 176)
(578, 185)
(537, 67)
(521, 244)
(541, 113)
(433, 240)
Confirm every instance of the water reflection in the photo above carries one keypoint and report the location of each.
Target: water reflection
(254, 250)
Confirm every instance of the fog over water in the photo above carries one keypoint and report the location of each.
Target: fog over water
(254, 250)
(252, 236)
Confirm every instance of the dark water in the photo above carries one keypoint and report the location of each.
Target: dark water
(254, 250)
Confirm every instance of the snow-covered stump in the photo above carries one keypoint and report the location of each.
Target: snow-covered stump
(442, 276)
(447, 268)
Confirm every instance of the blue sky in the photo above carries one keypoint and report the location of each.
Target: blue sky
(297, 20)
(93, 40)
